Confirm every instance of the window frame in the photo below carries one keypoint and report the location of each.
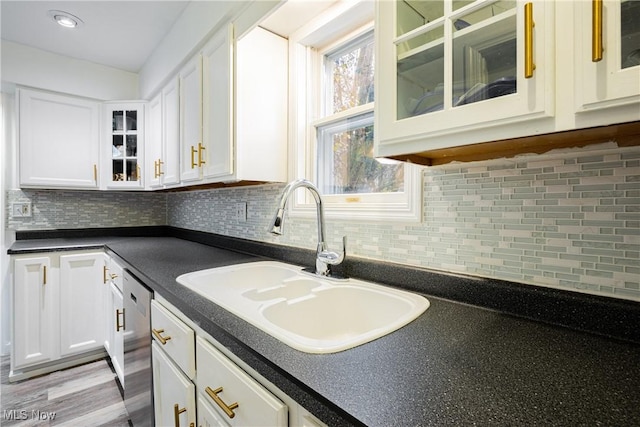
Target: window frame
(338, 25)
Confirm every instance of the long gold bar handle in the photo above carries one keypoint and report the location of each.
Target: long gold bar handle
(193, 157)
(176, 414)
(529, 66)
(104, 274)
(228, 409)
(201, 148)
(118, 325)
(44, 274)
(157, 333)
(95, 172)
(160, 163)
(596, 30)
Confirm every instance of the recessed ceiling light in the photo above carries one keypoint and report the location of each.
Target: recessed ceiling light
(65, 19)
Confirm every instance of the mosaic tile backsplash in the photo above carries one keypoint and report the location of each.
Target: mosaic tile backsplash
(569, 220)
(58, 209)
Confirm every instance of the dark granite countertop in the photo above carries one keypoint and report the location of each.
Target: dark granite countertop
(457, 364)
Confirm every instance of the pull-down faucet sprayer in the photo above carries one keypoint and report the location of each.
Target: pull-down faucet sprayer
(324, 257)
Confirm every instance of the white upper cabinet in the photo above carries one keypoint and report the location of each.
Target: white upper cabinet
(154, 142)
(452, 74)
(445, 67)
(169, 164)
(261, 107)
(191, 148)
(607, 35)
(217, 105)
(163, 138)
(59, 140)
(123, 147)
(233, 110)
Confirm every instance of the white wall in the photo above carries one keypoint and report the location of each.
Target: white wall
(28, 66)
(199, 21)
(7, 237)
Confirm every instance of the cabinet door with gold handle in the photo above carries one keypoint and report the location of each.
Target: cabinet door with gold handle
(174, 394)
(234, 395)
(119, 313)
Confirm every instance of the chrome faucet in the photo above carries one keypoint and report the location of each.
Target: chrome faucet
(324, 257)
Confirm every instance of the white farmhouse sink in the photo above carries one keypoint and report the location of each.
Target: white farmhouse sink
(307, 312)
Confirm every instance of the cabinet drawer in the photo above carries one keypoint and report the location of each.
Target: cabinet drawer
(256, 406)
(174, 337)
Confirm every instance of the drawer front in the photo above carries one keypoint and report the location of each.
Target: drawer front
(219, 377)
(115, 274)
(174, 337)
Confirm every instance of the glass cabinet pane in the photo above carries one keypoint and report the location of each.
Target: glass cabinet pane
(421, 81)
(132, 170)
(132, 120)
(630, 33)
(413, 14)
(117, 121)
(117, 149)
(132, 146)
(484, 53)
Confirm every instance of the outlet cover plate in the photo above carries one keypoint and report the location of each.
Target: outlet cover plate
(21, 209)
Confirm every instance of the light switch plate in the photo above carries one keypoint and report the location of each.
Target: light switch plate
(21, 209)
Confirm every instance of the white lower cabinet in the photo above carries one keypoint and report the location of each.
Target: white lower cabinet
(57, 304)
(173, 392)
(81, 302)
(233, 393)
(114, 315)
(35, 295)
(227, 392)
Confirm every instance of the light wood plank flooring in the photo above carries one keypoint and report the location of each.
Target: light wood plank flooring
(86, 395)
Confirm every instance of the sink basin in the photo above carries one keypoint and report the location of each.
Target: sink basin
(307, 312)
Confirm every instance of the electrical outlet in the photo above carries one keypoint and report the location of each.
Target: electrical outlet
(21, 209)
(241, 212)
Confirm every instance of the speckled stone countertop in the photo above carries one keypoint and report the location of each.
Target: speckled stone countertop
(457, 364)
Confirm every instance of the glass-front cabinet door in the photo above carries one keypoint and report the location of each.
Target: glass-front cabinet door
(447, 65)
(608, 53)
(124, 145)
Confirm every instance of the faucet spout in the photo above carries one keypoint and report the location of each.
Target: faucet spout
(324, 257)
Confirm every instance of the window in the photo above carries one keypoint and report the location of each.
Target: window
(332, 74)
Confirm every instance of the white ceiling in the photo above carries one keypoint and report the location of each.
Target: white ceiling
(119, 34)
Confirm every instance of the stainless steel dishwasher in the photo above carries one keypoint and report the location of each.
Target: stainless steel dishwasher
(138, 386)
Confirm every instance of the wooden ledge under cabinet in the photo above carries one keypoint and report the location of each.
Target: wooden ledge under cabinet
(624, 135)
(212, 185)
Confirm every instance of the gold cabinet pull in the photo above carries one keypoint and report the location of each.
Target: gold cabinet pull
(113, 276)
(201, 148)
(596, 30)
(193, 157)
(118, 325)
(160, 163)
(44, 274)
(95, 172)
(157, 333)
(529, 66)
(104, 274)
(176, 414)
(228, 409)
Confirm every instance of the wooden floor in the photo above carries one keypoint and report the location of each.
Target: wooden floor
(87, 395)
